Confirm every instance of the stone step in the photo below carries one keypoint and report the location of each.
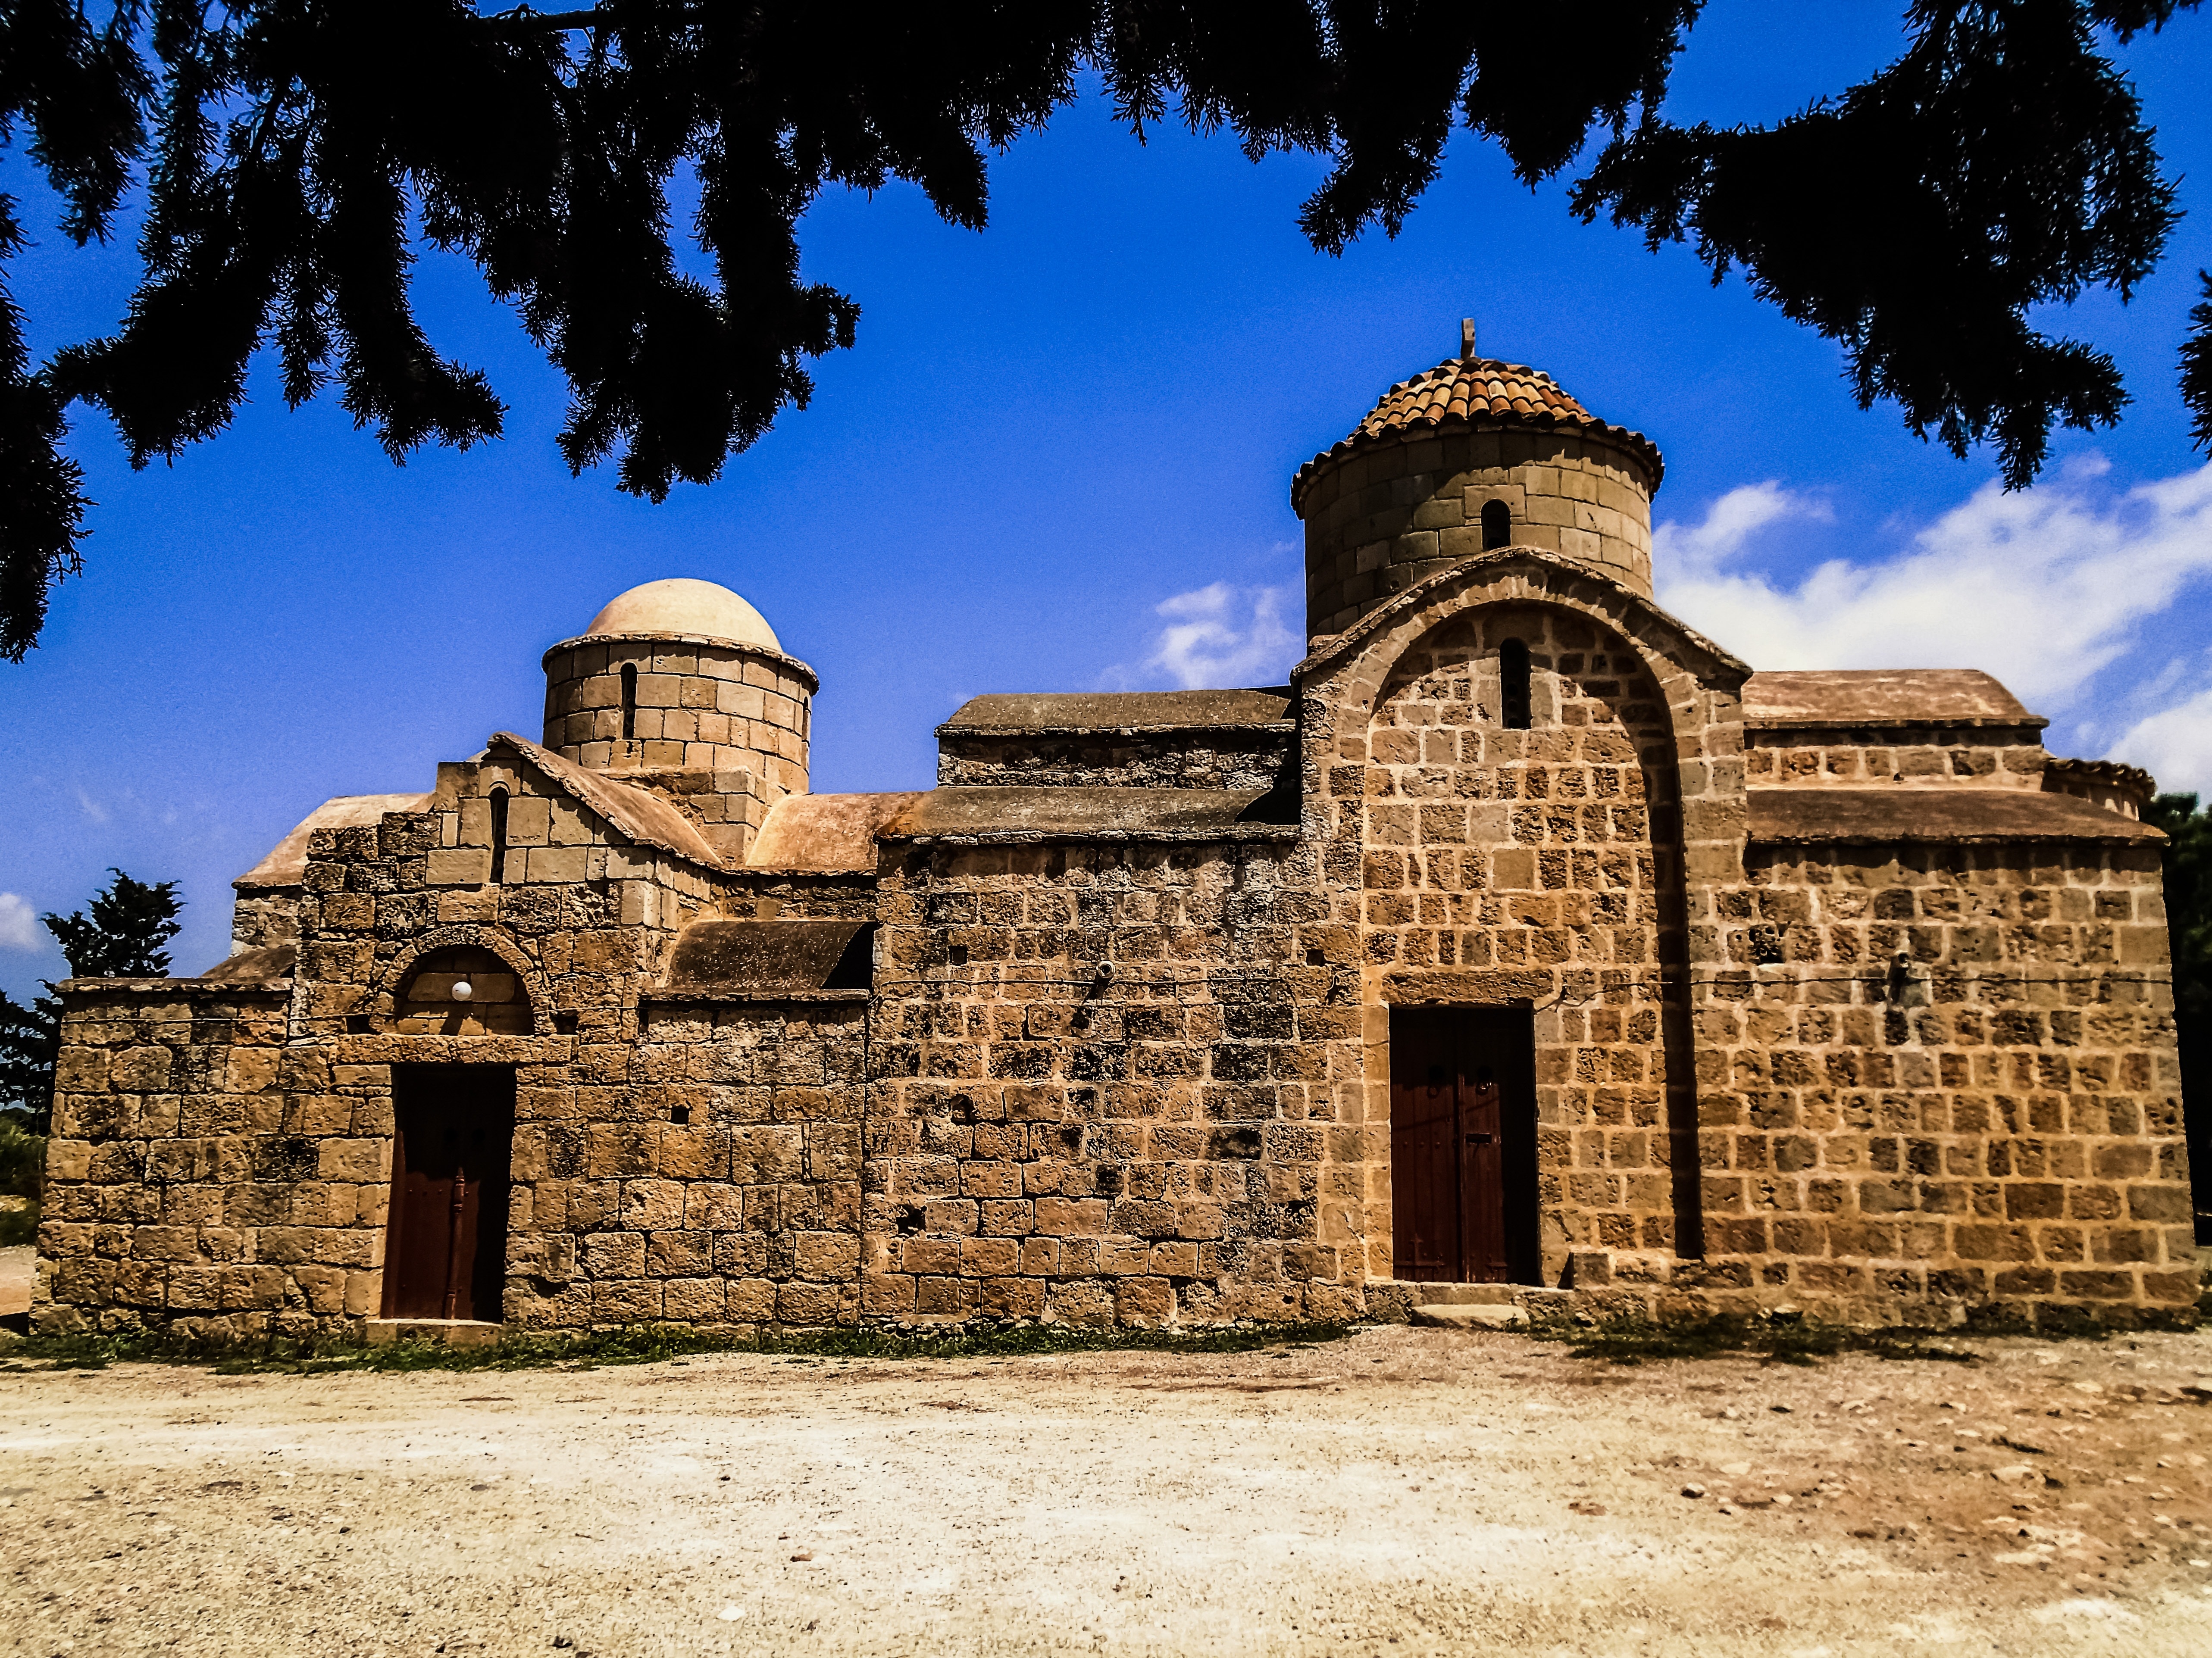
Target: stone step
(1471, 1316)
(453, 1332)
(1468, 1295)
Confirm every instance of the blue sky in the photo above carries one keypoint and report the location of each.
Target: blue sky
(1059, 458)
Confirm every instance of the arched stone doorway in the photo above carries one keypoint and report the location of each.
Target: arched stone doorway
(1536, 869)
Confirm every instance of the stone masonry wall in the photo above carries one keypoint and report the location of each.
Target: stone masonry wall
(189, 1178)
(1544, 865)
(1180, 1137)
(1235, 758)
(287, 1150)
(701, 708)
(2005, 757)
(711, 1174)
(716, 1181)
(1590, 1014)
(691, 1162)
(1391, 514)
(2004, 1124)
(1744, 1101)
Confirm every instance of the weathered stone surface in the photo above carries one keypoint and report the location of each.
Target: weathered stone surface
(1959, 817)
(1843, 1000)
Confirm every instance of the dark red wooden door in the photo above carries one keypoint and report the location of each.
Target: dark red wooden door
(1463, 1145)
(1482, 1180)
(445, 1253)
(1423, 1159)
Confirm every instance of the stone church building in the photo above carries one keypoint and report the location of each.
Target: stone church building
(1527, 951)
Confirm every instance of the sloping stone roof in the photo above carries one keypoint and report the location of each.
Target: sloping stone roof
(261, 966)
(827, 832)
(1881, 696)
(286, 863)
(1951, 817)
(1485, 392)
(774, 959)
(644, 818)
(1083, 813)
(2112, 773)
(1026, 713)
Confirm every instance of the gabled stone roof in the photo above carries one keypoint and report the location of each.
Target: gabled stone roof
(1948, 817)
(1881, 696)
(1088, 813)
(1326, 651)
(1010, 713)
(1479, 391)
(261, 966)
(644, 818)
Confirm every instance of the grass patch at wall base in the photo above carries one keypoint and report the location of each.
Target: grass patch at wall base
(642, 1344)
(1774, 1341)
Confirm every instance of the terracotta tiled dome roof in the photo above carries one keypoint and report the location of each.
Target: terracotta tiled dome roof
(1483, 392)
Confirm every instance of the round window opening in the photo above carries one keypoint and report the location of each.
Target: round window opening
(463, 991)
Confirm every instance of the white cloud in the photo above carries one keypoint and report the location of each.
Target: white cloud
(1683, 551)
(19, 924)
(2174, 746)
(1223, 637)
(2042, 588)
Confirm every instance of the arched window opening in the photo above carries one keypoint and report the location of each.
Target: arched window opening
(1497, 525)
(629, 702)
(498, 836)
(1513, 684)
(462, 990)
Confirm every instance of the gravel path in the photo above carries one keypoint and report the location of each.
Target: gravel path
(1404, 1491)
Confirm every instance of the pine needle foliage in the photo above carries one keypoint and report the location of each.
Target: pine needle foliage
(295, 152)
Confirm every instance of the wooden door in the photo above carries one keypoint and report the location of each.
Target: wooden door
(1482, 1178)
(445, 1254)
(1463, 1145)
(1425, 1182)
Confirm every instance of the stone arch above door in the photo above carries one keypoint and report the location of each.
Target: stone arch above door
(1547, 848)
(1552, 859)
(441, 953)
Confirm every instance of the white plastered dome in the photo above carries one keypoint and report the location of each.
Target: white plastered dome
(684, 605)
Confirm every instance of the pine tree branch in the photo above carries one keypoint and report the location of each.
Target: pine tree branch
(522, 22)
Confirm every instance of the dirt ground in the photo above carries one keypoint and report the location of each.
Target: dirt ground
(17, 1262)
(1403, 1491)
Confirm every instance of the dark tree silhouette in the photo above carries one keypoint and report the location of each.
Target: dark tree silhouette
(127, 936)
(294, 150)
(2188, 855)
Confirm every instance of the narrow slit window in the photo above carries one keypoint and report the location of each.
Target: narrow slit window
(629, 702)
(498, 836)
(1497, 525)
(1513, 684)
